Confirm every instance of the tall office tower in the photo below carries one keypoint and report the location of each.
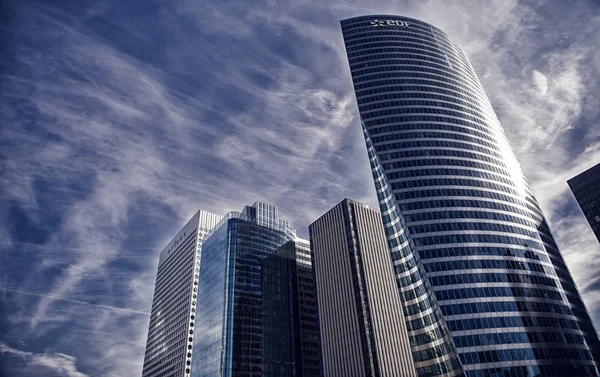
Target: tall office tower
(363, 330)
(236, 323)
(459, 215)
(168, 348)
(586, 188)
(290, 327)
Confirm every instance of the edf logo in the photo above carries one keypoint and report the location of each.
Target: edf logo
(389, 23)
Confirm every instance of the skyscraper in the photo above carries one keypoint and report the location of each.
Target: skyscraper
(241, 329)
(363, 329)
(168, 348)
(586, 188)
(460, 219)
(290, 328)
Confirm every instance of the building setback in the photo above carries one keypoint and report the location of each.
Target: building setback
(241, 328)
(363, 330)
(169, 345)
(460, 218)
(586, 188)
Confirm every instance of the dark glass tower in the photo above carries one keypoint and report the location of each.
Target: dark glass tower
(586, 188)
(290, 328)
(242, 327)
(460, 219)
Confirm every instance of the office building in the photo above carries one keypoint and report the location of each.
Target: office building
(168, 348)
(363, 329)
(290, 326)
(586, 188)
(460, 218)
(241, 328)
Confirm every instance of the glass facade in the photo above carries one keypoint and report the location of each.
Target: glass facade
(478, 270)
(586, 188)
(241, 329)
(290, 328)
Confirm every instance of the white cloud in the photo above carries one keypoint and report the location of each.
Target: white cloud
(40, 363)
(541, 82)
(140, 130)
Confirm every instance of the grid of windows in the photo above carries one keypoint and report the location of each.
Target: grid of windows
(170, 334)
(239, 330)
(586, 188)
(458, 212)
(360, 313)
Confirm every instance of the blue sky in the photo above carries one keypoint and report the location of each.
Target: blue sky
(119, 119)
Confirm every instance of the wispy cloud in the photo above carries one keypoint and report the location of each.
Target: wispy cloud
(57, 364)
(75, 301)
(123, 122)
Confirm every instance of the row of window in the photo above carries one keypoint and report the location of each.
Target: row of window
(170, 271)
(439, 368)
(477, 264)
(419, 54)
(452, 135)
(496, 356)
(423, 230)
(479, 292)
(391, 129)
(446, 177)
(367, 41)
(402, 81)
(375, 64)
(421, 51)
(381, 109)
(504, 306)
(474, 278)
(388, 133)
(418, 307)
(414, 33)
(517, 337)
(440, 350)
(444, 66)
(176, 289)
(426, 337)
(544, 235)
(416, 75)
(517, 321)
(560, 370)
(474, 204)
(468, 251)
(452, 192)
(413, 293)
(415, 29)
(466, 214)
(430, 240)
(384, 91)
(424, 154)
(424, 321)
(435, 144)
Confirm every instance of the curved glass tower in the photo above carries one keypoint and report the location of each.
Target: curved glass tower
(479, 273)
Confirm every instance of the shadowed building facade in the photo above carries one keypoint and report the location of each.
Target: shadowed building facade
(363, 330)
(472, 252)
(169, 345)
(586, 188)
(290, 328)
